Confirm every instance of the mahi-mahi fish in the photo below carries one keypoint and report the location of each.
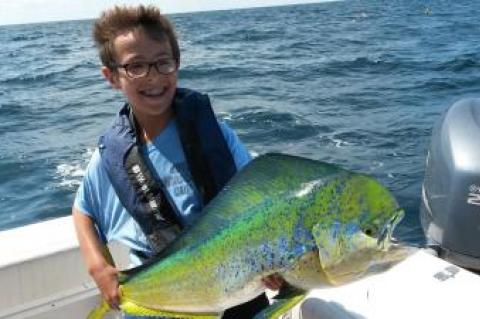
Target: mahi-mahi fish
(313, 223)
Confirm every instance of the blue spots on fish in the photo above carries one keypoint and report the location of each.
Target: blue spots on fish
(299, 250)
(300, 233)
(252, 262)
(338, 228)
(283, 247)
(351, 229)
(267, 256)
(272, 255)
(303, 240)
(335, 230)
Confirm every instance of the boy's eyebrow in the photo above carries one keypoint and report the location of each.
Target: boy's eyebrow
(141, 57)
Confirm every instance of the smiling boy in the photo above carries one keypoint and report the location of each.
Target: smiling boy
(164, 157)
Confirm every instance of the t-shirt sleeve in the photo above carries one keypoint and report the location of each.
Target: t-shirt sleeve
(85, 199)
(238, 150)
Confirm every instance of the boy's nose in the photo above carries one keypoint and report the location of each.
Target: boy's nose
(154, 74)
(153, 71)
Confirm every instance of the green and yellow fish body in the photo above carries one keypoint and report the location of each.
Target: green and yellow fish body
(313, 223)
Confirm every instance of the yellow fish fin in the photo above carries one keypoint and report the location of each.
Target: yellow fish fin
(287, 298)
(100, 311)
(133, 309)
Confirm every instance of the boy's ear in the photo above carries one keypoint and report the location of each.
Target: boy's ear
(111, 77)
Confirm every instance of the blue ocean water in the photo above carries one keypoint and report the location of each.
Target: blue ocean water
(358, 83)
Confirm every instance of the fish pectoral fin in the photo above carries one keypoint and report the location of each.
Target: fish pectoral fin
(131, 308)
(336, 242)
(288, 291)
(287, 298)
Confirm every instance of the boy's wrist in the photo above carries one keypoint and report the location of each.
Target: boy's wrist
(97, 267)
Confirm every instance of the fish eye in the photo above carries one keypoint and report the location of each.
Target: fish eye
(370, 231)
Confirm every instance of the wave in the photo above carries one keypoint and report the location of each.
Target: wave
(210, 72)
(69, 175)
(364, 64)
(438, 84)
(461, 63)
(27, 37)
(26, 79)
(265, 126)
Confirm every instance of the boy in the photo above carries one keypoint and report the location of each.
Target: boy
(164, 157)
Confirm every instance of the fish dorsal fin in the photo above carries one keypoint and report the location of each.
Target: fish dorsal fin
(265, 178)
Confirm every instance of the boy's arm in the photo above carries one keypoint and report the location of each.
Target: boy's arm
(97, 258)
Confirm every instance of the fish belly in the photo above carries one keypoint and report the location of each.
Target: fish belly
(197, 287)
(307, 273)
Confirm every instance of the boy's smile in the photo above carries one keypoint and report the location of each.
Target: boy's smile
(150, 94)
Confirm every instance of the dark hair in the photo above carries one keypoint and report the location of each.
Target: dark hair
(121, 19)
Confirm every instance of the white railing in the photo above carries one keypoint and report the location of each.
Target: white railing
(42, 274)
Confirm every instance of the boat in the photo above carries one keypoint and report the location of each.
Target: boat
(43, 276)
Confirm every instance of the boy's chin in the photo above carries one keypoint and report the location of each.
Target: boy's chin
(151, 108)
(158, 110)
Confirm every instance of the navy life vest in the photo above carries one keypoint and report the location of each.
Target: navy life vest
(140, 191)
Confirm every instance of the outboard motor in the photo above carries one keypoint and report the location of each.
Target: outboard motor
(450, 208)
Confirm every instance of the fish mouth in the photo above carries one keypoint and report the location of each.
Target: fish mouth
(394, 250)
(385, 235)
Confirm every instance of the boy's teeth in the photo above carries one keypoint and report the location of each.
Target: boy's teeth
(153, 92)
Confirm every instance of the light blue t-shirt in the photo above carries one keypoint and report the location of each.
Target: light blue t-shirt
(97, 199)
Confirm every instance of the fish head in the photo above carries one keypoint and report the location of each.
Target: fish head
(357, 241)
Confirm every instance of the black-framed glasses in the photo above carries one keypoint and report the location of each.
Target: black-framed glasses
(137, 70)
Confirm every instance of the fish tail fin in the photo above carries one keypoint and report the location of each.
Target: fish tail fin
(100, 311)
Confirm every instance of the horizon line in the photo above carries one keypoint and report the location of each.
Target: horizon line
(178, 12)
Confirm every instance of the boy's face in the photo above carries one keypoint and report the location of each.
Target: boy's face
(152, 94)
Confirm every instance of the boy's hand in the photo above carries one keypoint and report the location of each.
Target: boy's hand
(106, 278)
(273, 282)
(98, 260)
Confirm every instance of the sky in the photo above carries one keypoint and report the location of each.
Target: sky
(30, 11)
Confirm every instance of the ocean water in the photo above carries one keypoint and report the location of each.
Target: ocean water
(357, 83)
